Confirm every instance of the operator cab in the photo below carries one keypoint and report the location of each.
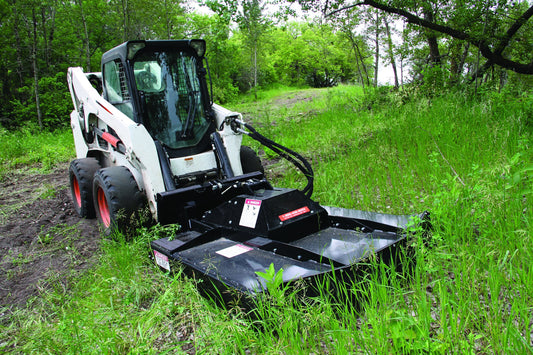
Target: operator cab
(162, 85)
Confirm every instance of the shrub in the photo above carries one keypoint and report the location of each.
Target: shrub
(55, 103)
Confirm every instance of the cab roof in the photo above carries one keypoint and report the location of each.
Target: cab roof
(127, 50)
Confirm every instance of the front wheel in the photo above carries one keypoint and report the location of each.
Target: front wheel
(250, 161)
(81, 173)
(116, 197)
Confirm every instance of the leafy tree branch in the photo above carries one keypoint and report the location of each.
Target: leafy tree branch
(493, 53)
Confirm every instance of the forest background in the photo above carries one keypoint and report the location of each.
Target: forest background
(434, 45)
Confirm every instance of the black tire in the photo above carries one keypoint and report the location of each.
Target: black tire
(250, 161)
(117, 198)
(81, 173)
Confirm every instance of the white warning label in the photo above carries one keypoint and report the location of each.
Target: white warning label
(250, 212)
(161, 260)
(234, 250)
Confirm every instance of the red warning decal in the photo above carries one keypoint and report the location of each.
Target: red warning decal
(294, 213)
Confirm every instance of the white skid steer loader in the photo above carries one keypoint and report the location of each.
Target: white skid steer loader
(147, 135)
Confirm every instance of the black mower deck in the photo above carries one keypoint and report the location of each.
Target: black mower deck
(283, 227)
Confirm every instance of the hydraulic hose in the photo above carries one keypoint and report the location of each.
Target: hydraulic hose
(299, 161)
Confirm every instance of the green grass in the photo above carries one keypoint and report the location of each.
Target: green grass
(452, 156)
(467, 161)
(29, 147)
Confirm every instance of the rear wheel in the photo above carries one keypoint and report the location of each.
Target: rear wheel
(81, 173)
(250, 161)
(116, 197)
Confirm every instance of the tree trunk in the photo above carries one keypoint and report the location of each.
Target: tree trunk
(255, 63)
(86, 44)
(360, 55)
(36, 71)
(125, 19)
(455, 47)
(358, 66)
(464, 56)
(401, 71)
(18, 43)
(376, 58)
(48, 32)
(168, 21)
(493, 54)
(45, 37)
(434, 53)
(391, 53)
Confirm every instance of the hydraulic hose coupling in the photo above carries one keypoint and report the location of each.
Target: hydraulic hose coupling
(237, 124)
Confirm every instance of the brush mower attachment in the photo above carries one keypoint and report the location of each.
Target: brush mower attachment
(229, 244)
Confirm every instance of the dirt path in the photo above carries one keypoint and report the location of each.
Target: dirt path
(42, 240)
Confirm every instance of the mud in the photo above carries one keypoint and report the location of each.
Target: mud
(43, 242)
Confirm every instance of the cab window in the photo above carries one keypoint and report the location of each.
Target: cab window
(115, 87)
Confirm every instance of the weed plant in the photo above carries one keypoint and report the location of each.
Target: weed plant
(470, 290)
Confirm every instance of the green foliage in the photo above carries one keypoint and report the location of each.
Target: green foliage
(273, 280)
(224, 91)
(434, 80)
(41, 43)
(223, 54)
(55, 103)
(261, 51)
(521, 168)
(309, 54)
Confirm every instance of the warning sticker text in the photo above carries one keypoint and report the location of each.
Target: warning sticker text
(294, 213)
(250, 212)
(161, 260)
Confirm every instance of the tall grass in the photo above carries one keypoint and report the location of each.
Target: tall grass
(30, 147)
(471, 289)
(457, 157)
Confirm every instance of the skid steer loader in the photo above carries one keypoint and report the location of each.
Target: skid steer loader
(148, 136)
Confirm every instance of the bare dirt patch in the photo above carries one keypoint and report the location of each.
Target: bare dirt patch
(43, 242)
(292, 99)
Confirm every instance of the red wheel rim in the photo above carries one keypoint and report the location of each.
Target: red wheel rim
(103, 208)
(76, 190)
